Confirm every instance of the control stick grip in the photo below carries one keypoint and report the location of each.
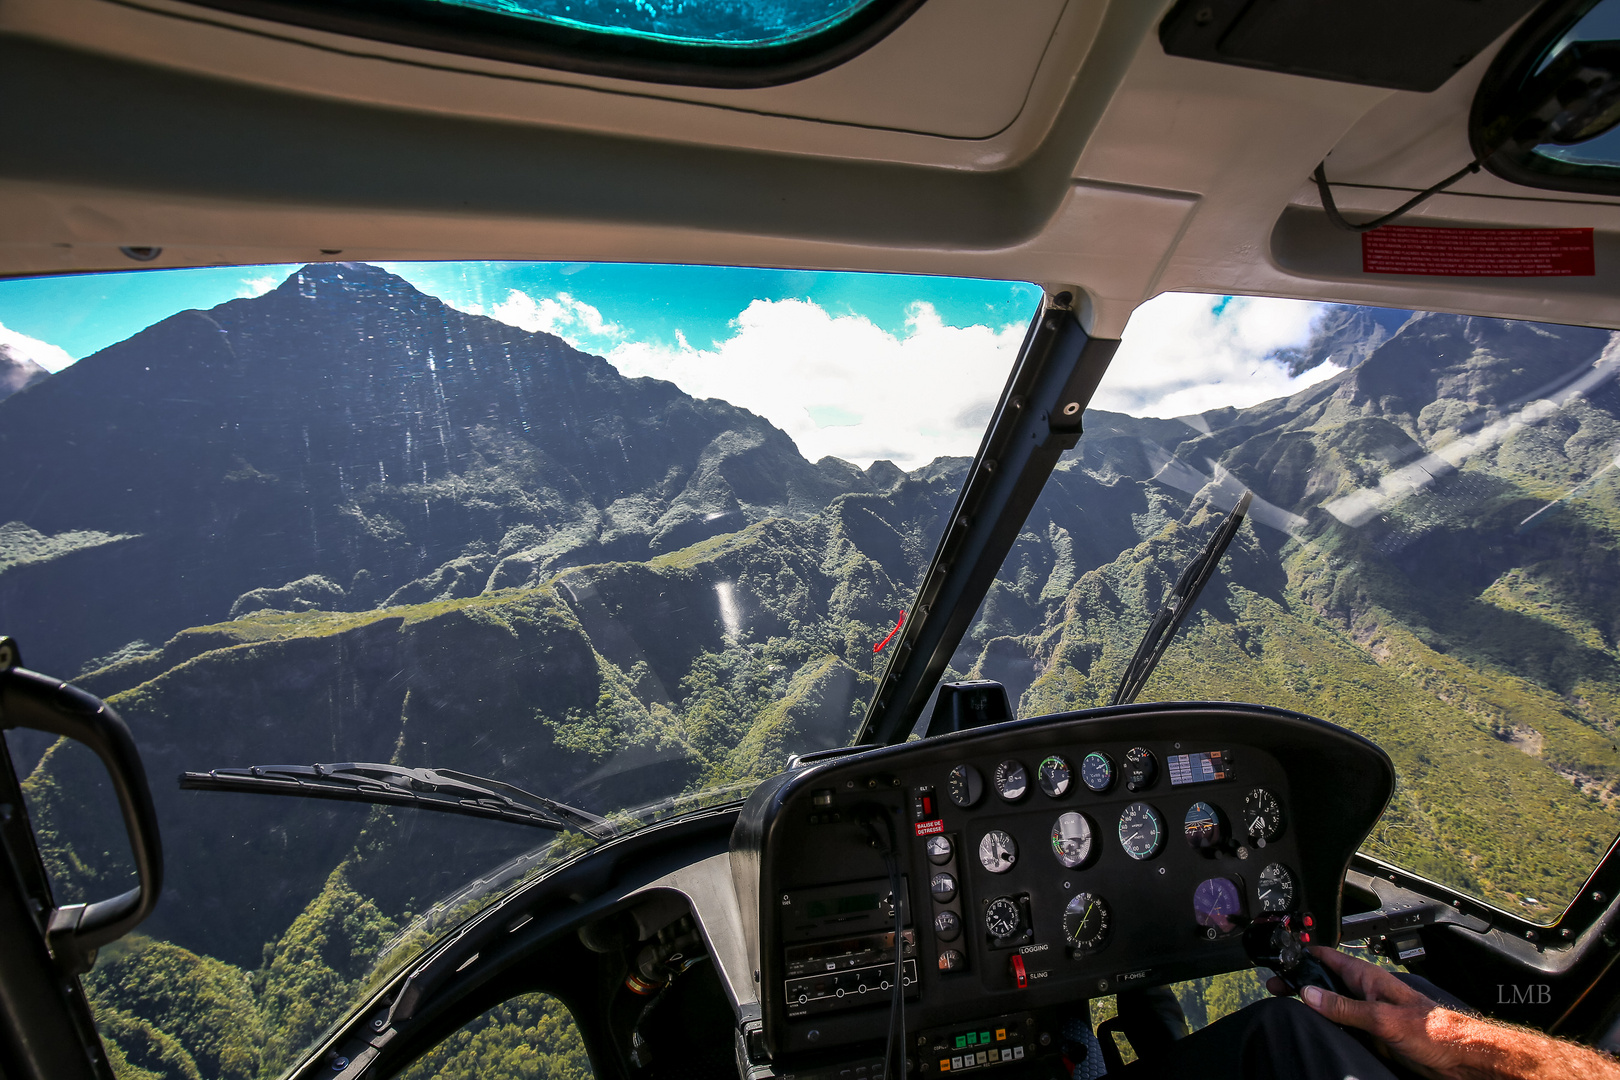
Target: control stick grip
(1272, 943)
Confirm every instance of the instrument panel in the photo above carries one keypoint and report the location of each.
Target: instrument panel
(1055, 859)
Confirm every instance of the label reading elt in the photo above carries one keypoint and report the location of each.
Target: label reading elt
(928, 828)
(1411, 249)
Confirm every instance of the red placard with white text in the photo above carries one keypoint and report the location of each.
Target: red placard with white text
(1411, 249)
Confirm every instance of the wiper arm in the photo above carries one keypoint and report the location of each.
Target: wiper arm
(429, 789)
(1178, 604)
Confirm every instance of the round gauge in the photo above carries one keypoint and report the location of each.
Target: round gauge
(1097, 772)
(1002, 918)
(1141, 831)
(951, 960)
(1141, 768)
(1085, 923)
(947, 925)
(1203, 826)
(943, 886)
(997, 852)
(1071, 840)
(1276, 888)
(940, 849)
(1011, 780)
(1054, 776)
(1217, 902)
(966, 786)
(1262, 816)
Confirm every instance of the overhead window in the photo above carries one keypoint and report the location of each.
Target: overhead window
(743, 24)
(738, 43)
(1547, 112)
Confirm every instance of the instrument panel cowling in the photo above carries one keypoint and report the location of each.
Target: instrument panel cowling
(801, 832)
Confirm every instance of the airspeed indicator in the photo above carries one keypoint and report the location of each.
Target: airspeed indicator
(1141, 831)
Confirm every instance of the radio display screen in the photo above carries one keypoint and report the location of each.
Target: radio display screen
(1199, 768)
(842, 905)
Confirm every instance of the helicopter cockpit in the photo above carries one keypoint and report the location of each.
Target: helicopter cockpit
(821, 539)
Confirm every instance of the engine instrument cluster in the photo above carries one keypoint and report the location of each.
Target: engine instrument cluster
(1075, 885)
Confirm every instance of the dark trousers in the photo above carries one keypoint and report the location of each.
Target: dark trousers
(1276, 1039)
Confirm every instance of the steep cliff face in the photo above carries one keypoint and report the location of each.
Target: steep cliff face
(346, 427)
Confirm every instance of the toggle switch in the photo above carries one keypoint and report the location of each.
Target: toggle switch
(1020, 976)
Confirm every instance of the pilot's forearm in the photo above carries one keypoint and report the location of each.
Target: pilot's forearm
(1481, 1049)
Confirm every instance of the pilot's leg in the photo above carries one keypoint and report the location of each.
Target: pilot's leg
(1274, 1039)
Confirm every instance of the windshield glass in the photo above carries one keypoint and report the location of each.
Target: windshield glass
(1429, 560)
(624, 537)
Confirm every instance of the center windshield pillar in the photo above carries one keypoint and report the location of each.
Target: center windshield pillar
(1037, 419)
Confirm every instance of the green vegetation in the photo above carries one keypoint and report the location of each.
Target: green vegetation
(531, 1037)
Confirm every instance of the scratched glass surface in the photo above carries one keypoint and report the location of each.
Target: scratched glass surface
(622, 537)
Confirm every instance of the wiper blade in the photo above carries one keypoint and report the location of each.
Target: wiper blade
(1162, 630)
(429, 789)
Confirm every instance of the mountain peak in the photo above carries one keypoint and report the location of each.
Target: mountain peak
(317, 281)
(18, 371)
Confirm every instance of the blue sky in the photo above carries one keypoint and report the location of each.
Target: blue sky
(85, 312)
(859, 366)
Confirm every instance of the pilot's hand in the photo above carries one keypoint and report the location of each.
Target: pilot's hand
(1438, 1042)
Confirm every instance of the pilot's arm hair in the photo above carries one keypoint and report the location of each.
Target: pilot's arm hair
(1435, 1041)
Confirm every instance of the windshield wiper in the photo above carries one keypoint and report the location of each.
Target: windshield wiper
(1178, 604)
(429, 789)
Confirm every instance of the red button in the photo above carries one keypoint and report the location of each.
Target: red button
(1309, 922)
(1305, 938)
(1019, 974)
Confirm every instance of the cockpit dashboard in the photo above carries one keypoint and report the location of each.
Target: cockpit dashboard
(1039, 863)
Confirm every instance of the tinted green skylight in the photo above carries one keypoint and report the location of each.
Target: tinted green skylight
(737, 23)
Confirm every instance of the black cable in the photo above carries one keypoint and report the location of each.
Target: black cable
(1332, 208)
(891, 862)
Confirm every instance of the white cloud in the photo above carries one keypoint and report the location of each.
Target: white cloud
(258, 286)
(1184, 353)
(52, 358)
(568, 318)
(842, 385)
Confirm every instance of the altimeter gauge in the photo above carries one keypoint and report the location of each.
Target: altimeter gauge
(965, 786)
(1054, 776)
(1276, 888)
(1097, 771)
(1011, 780)
(1002, 918)
(1141, 831)
(997, 852)
(1262, 816)
(1072, 840)
(1085, 923)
